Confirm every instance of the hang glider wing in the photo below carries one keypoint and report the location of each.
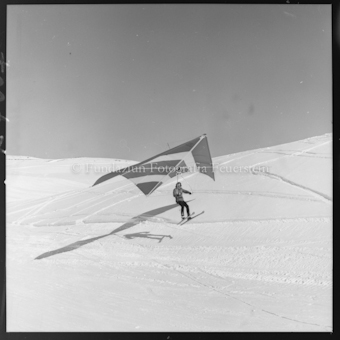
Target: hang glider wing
(153, 172)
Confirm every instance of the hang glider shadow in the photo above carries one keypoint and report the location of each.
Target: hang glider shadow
(132, 222)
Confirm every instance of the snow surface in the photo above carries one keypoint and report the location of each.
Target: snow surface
(107, 258)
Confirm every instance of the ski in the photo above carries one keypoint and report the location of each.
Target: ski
(185, 218)
(190, 218)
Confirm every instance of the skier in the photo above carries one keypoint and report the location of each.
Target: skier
(177, 193)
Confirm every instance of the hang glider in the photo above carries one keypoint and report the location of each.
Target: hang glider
(153, 172)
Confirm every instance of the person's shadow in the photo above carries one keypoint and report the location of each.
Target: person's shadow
(135, 220)
(146, 234)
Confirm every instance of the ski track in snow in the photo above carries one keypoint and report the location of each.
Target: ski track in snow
(39, 206)
(315, 193)
(33, 211)
(273, 268)
(255, 308)
(189, 271)
(89, 200)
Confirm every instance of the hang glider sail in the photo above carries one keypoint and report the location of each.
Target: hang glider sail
(153, 172)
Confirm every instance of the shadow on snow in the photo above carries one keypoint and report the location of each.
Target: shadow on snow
(146, 234)
(135, 220)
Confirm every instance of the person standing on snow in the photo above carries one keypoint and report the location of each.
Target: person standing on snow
(178, 194)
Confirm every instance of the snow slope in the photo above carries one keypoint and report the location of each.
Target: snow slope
(107, 258)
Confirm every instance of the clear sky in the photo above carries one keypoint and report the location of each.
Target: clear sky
(122, 81)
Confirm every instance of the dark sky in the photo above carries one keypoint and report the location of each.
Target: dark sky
(122, 81)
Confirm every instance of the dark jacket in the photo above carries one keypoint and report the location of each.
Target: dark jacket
(178, 194)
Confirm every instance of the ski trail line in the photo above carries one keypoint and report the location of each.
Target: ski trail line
(290, 155)
(49, 199)
(37, 207)
(315, 193)
(169, 266)
(77, 213)
(81, 220)
(240, 300)
(227, 294)
(86, 201)
(243, 156)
